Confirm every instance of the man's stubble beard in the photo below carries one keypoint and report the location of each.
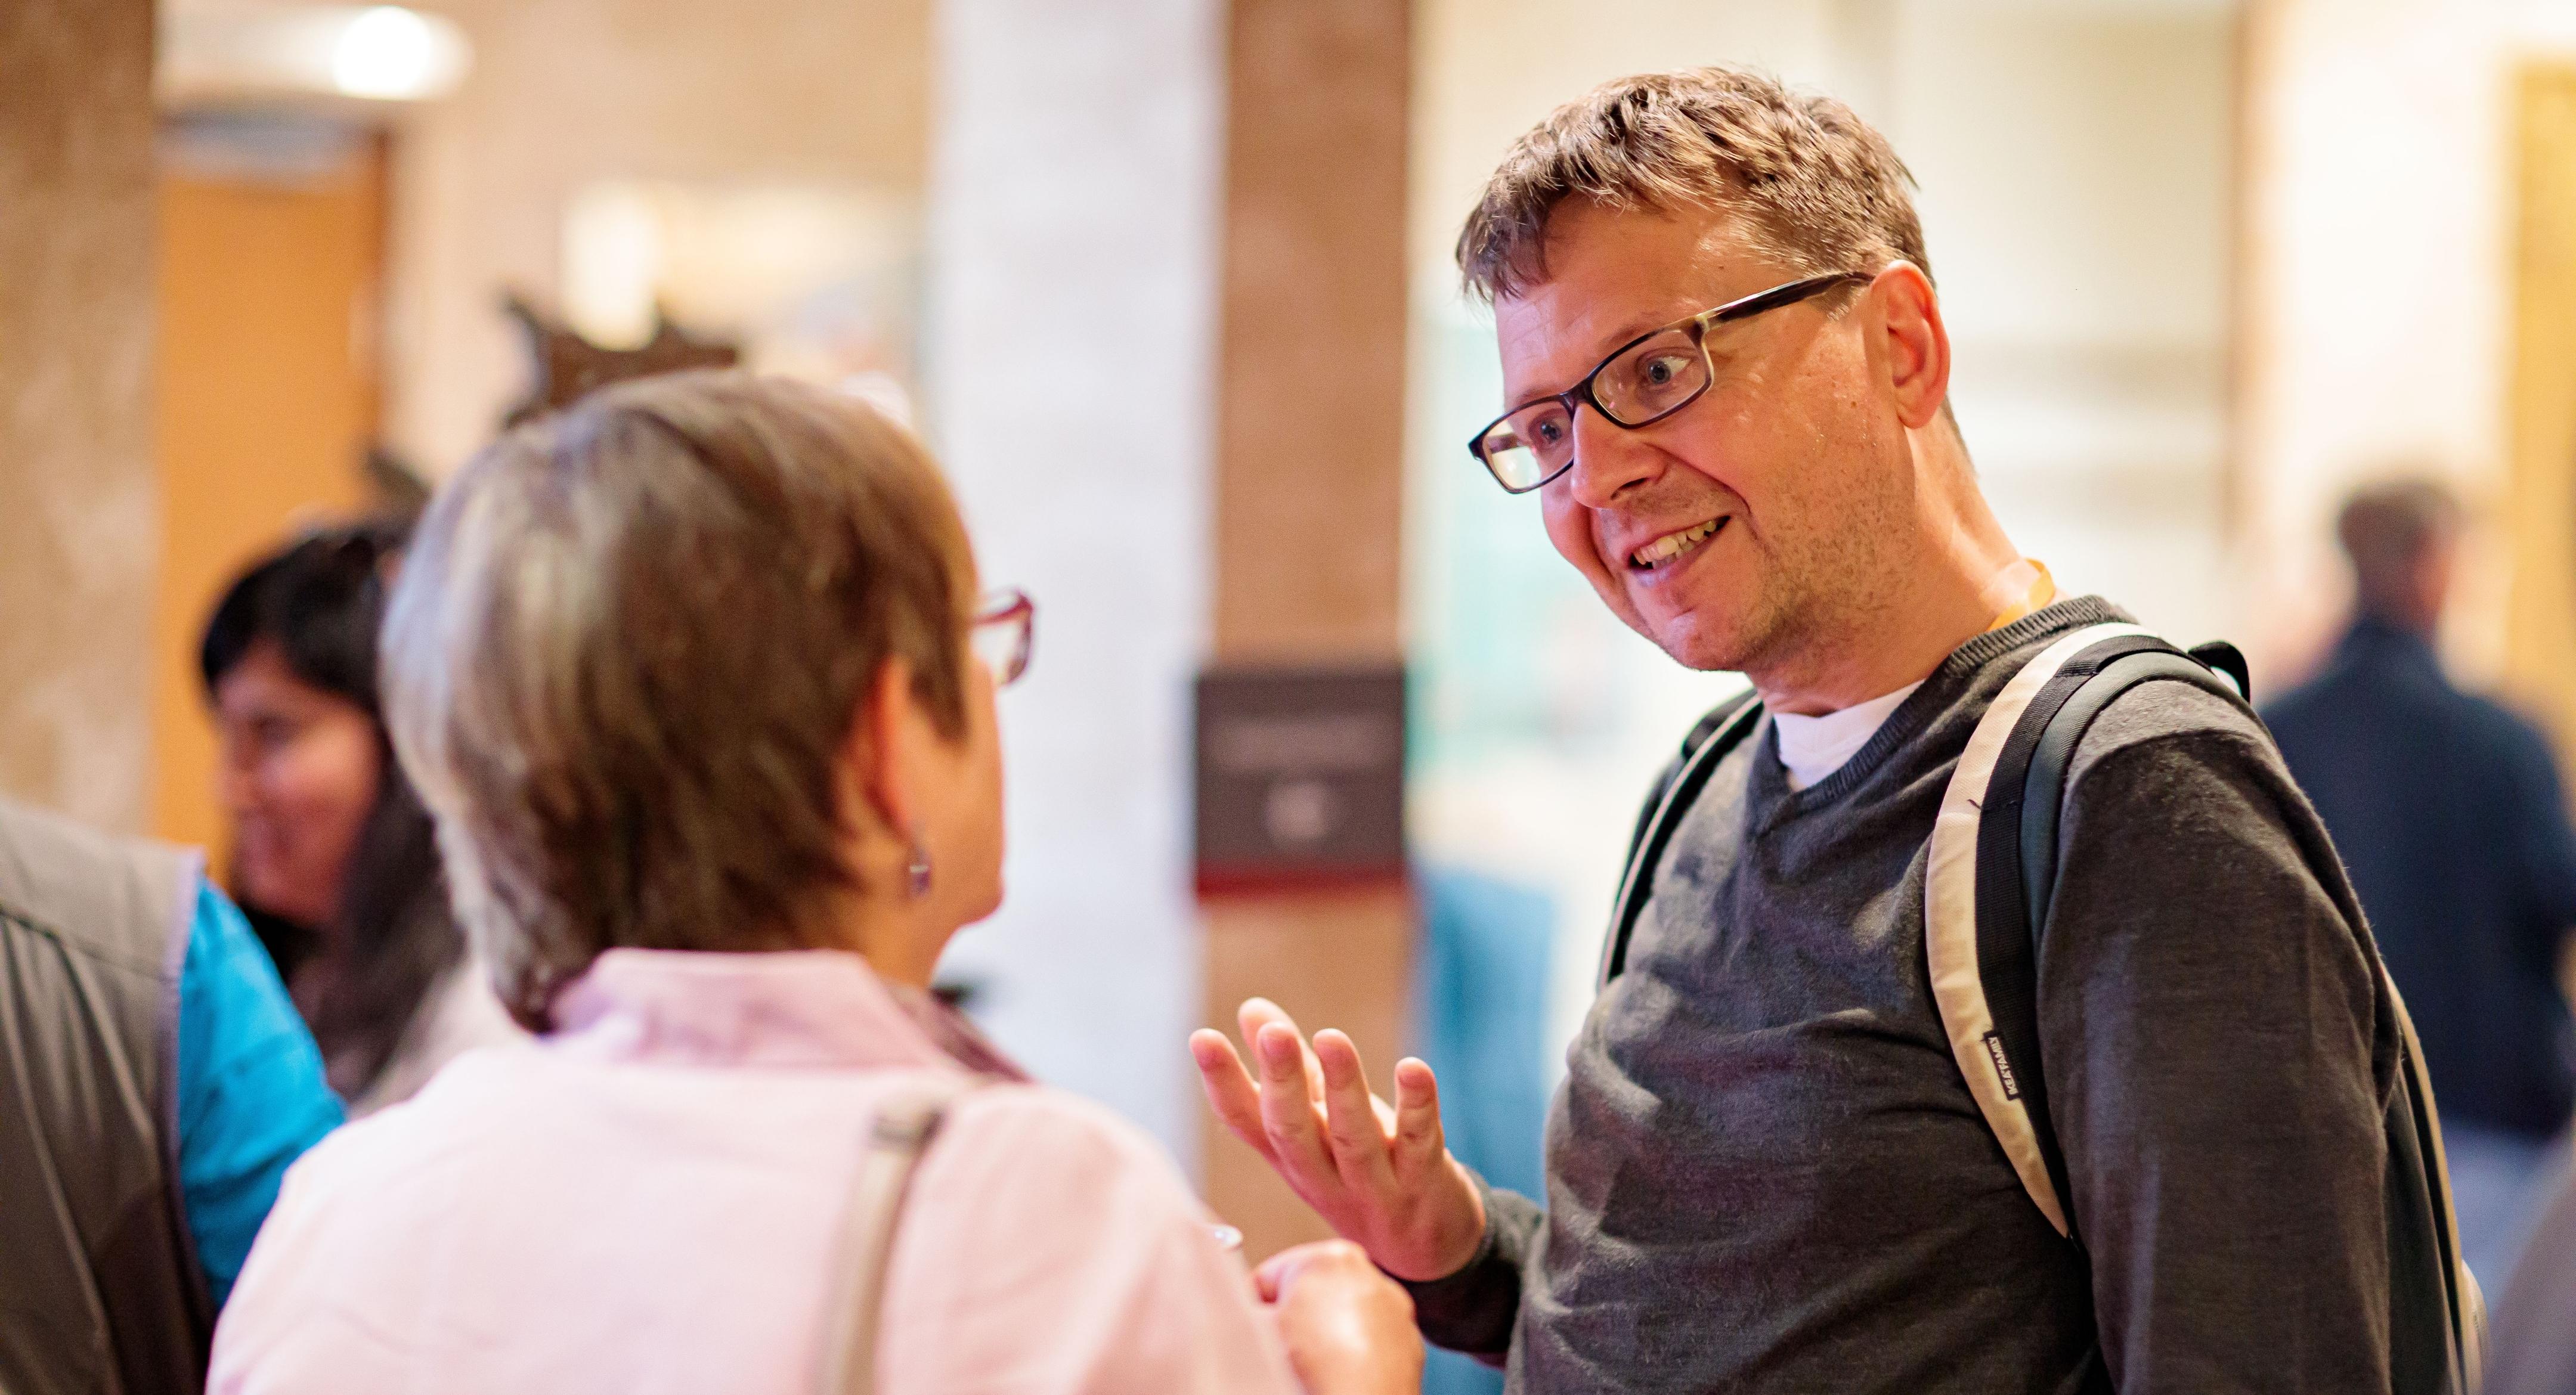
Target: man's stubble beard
(1820, 594)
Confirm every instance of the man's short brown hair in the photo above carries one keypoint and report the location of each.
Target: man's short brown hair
(1815, 185)
(629, 647)
(2386, 528)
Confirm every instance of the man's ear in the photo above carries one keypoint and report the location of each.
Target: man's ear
(877, 765)
(1916, 342)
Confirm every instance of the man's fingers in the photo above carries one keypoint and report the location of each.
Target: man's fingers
(1418, 1140)
(1287, 1114)
(1256, 1014)
(1230, 1091)
(1359, 1141)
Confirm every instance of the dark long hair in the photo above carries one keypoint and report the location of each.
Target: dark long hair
(321, 600)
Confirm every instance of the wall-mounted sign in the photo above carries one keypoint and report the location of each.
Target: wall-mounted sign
(1300, 777)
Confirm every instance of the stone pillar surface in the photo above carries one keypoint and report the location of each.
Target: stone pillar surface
(1069, 370)
(1310, 484)
(78, 495)
(1164, 367)
(1309, 495)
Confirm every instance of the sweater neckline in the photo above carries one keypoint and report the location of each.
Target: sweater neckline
(1937, 692)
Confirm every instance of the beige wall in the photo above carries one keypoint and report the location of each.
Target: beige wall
(78, 511)
(2384, 216)
(2374, 321)
(2540, 617)
(565, 92)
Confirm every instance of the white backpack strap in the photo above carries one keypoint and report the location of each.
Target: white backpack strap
(856, 1301)
(1950, 921)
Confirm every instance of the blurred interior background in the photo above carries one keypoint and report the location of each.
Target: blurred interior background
(1166, 284)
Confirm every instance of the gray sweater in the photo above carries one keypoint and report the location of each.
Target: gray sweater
(1765, 1174)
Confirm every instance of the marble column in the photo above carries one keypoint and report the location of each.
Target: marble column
(78, 494)
(1070, 338)
(1165, 356)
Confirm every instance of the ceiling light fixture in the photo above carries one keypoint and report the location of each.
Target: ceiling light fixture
(381, 53)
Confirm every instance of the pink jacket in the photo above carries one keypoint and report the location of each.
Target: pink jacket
(647, 1200)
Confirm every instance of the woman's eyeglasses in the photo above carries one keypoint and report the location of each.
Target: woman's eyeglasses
(1001, 634)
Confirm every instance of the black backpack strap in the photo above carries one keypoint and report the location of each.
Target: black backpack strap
(1980, 949)
(2229, 662)
(2059, 725)
(1721, 731)
(2437, 1318)
(2017, 847)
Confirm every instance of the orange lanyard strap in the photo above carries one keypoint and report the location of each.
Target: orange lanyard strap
(2037, 589)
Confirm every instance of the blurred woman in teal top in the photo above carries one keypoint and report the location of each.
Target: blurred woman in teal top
(251, 1095)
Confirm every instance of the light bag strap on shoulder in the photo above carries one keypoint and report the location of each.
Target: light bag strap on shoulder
(856, 1303)
(1977, 940)
(1992, 876)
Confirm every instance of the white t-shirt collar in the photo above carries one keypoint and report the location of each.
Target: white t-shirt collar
(1816, 747)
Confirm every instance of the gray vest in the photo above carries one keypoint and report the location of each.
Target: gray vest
(100, 1288)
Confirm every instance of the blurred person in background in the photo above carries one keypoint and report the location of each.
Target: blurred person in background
(2534, 1330)
(333, 855)
(154, 1086)
(2450, 817)
(696, 680)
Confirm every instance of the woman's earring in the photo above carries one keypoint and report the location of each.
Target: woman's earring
(917, 870)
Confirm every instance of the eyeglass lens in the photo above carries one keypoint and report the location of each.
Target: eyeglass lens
(1001, 643)
(1651, 379)
(1647, 381)
(1531, 444)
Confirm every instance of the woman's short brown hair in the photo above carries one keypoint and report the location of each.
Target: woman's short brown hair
(628, 648)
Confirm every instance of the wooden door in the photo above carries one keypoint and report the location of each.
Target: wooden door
(272, 253)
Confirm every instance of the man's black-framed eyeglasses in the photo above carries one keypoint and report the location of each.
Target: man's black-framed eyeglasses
(1642, 382)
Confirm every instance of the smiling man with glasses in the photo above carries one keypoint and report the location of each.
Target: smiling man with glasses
(1726, 385)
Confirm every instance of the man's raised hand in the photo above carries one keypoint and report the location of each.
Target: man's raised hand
(1380, 1175)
